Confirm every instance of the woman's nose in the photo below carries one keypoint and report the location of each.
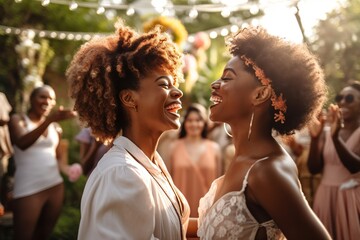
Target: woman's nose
(176, 93)
(215, 85)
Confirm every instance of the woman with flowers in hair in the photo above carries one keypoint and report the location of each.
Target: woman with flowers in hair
(125, 90)
(269, 84)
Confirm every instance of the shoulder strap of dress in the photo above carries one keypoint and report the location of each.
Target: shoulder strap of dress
(248, 171)
(26, 119)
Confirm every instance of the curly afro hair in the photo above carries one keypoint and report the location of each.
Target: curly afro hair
(105, 66)
(293, 69)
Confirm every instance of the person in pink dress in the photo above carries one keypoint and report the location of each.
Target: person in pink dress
(195, 161)
(335, 151)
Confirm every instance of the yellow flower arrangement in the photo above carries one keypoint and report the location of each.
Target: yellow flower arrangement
(173, 26)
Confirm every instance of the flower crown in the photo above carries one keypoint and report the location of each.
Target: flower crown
(278, 102)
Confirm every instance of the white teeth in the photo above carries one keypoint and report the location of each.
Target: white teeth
(173, 106)
(215, 99)
(44, 107)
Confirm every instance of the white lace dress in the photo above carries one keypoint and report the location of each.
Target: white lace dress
(229, 218)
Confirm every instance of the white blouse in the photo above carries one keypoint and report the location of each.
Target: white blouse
(124, 198)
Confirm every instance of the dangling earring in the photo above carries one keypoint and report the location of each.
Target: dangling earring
(226, 131)
(250, 126)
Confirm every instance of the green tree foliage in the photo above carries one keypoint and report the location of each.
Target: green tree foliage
(337, 44)
(31, 14)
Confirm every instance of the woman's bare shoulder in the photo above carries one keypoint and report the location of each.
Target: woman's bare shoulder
(274, 172)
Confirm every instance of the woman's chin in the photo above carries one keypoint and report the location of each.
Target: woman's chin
(176, 125)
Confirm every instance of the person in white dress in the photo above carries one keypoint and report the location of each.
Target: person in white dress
(5, 144)
(39, 155)
(268, 84)
(125, 89)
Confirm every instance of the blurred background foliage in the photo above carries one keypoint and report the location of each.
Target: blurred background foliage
(336, 43)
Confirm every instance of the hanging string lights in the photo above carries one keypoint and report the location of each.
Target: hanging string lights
(162, 7)
(85, 36)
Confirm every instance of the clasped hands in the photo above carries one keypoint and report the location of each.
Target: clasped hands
(333, 116)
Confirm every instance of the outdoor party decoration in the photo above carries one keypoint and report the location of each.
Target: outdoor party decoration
(171, 25)
(33, 58)
(190, 70)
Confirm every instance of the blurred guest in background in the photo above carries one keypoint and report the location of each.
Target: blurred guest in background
(39, 154)
(91, 150)
(5, 144)
(335, 152)
(195, 161)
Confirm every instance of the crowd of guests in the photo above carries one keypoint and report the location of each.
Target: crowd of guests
(167, 170)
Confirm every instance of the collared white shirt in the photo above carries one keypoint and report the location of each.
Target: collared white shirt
(123, 200)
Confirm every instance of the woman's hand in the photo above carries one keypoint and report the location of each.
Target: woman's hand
(316, 125)
(61, 114)
(336, 120)
(74, 172)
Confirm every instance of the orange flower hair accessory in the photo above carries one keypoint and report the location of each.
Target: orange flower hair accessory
(278, 102)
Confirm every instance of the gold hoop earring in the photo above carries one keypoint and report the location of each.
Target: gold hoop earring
(226, 131)
(250, 126)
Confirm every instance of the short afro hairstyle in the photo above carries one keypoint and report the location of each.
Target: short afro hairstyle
(294, 71)
(105, 66)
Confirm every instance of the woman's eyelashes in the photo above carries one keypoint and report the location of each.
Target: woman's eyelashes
(226, 78)
(165, 82)
(165, 85)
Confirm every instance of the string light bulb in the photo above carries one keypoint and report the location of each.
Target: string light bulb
(225, 13)
(234, 28)
(213, 35)
(254, 9)
(130, 11)
(193, 13)
(45, 3)
(73, 6)
(100, 10)
(224, 32)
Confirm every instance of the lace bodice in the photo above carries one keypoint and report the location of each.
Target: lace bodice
(229, 218)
